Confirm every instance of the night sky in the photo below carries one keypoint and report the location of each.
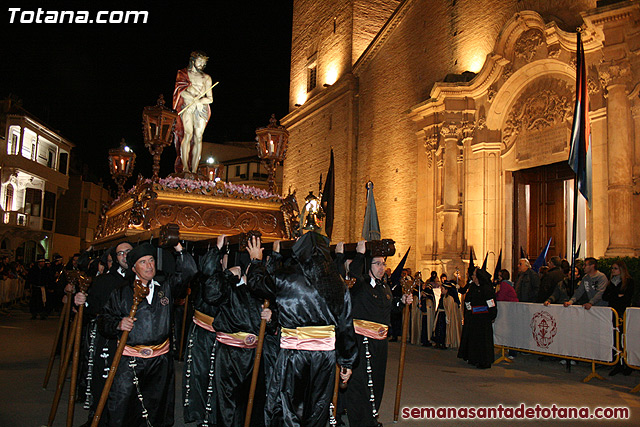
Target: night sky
(90, 82)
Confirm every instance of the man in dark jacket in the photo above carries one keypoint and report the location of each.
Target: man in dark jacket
(528, 282)
(550, 280)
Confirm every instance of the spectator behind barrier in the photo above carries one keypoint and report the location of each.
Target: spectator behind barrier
(561, 292)
(549, 281)
(504, 289)
(528, 282)
(593, 285)
(618, 294)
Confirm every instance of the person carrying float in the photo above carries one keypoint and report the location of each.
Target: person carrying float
(143, 390)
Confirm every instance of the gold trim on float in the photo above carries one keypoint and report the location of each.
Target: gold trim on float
(120, 208)
(211, 234)
(223, 201)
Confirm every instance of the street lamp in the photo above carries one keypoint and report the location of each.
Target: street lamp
(211, 170)
(272, 147)
(121, 162)
(157, 129)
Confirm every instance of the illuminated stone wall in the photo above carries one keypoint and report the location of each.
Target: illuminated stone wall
(387, 99)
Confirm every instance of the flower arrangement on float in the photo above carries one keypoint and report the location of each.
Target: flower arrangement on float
(219, 188)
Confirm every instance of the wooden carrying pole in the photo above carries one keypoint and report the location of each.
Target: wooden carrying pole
(64, 318)
(184, 322)
(256, 369)
(62, 376)
(65, 328)
(337, 385)
(83, 283)
(140, 291)
(407, 287)
(336, 388)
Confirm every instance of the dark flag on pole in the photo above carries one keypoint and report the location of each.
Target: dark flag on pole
(498, 267)
(328, 196)
(397, 273)
(371, 227)
(580, 156)
(541, 260)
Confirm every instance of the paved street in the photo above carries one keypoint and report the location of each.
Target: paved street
(432, 378)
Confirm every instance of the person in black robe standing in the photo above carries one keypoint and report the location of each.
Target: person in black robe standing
(237, 326)
(143, 390)
(372, 301)
(314, 313)
(198, 385)
(101, 348)
(40, 280)
(480, 310)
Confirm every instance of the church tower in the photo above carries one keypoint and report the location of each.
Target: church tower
(328, 38)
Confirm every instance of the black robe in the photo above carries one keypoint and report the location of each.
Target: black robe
(302, 384)
(38, 279)
(198, 384)
(100, 348)
(156, 382)
(440, 329)
(476, 343)
(373, 304)
(239, 311)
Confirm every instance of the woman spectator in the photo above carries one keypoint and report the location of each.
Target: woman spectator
(618, 294)
(504, 289)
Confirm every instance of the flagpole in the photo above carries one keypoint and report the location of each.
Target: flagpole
(575, 148)
(574, 233)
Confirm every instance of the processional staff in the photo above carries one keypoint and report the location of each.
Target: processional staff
(73, 275)
(184, 322)
(256, 368)
(408, 285)
(140, 292)
(83, 284)
(63, 324)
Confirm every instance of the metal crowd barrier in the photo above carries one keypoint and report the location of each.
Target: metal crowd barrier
(616, 321)
(630, 340)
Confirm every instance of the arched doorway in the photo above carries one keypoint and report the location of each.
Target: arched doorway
(543, 210)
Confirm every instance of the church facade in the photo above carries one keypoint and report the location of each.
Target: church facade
(460, 113)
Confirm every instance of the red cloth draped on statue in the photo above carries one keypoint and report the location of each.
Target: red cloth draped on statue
(182, 83)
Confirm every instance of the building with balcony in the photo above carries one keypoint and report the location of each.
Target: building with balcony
(34, 163)
(239, 163)
(82, 205)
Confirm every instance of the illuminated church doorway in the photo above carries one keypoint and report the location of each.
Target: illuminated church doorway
(543, 209)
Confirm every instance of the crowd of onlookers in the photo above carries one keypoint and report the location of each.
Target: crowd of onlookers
(11, 269)
(44, 286)
(436, 317)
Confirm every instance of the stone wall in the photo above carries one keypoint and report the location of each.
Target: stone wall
(364, 117)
